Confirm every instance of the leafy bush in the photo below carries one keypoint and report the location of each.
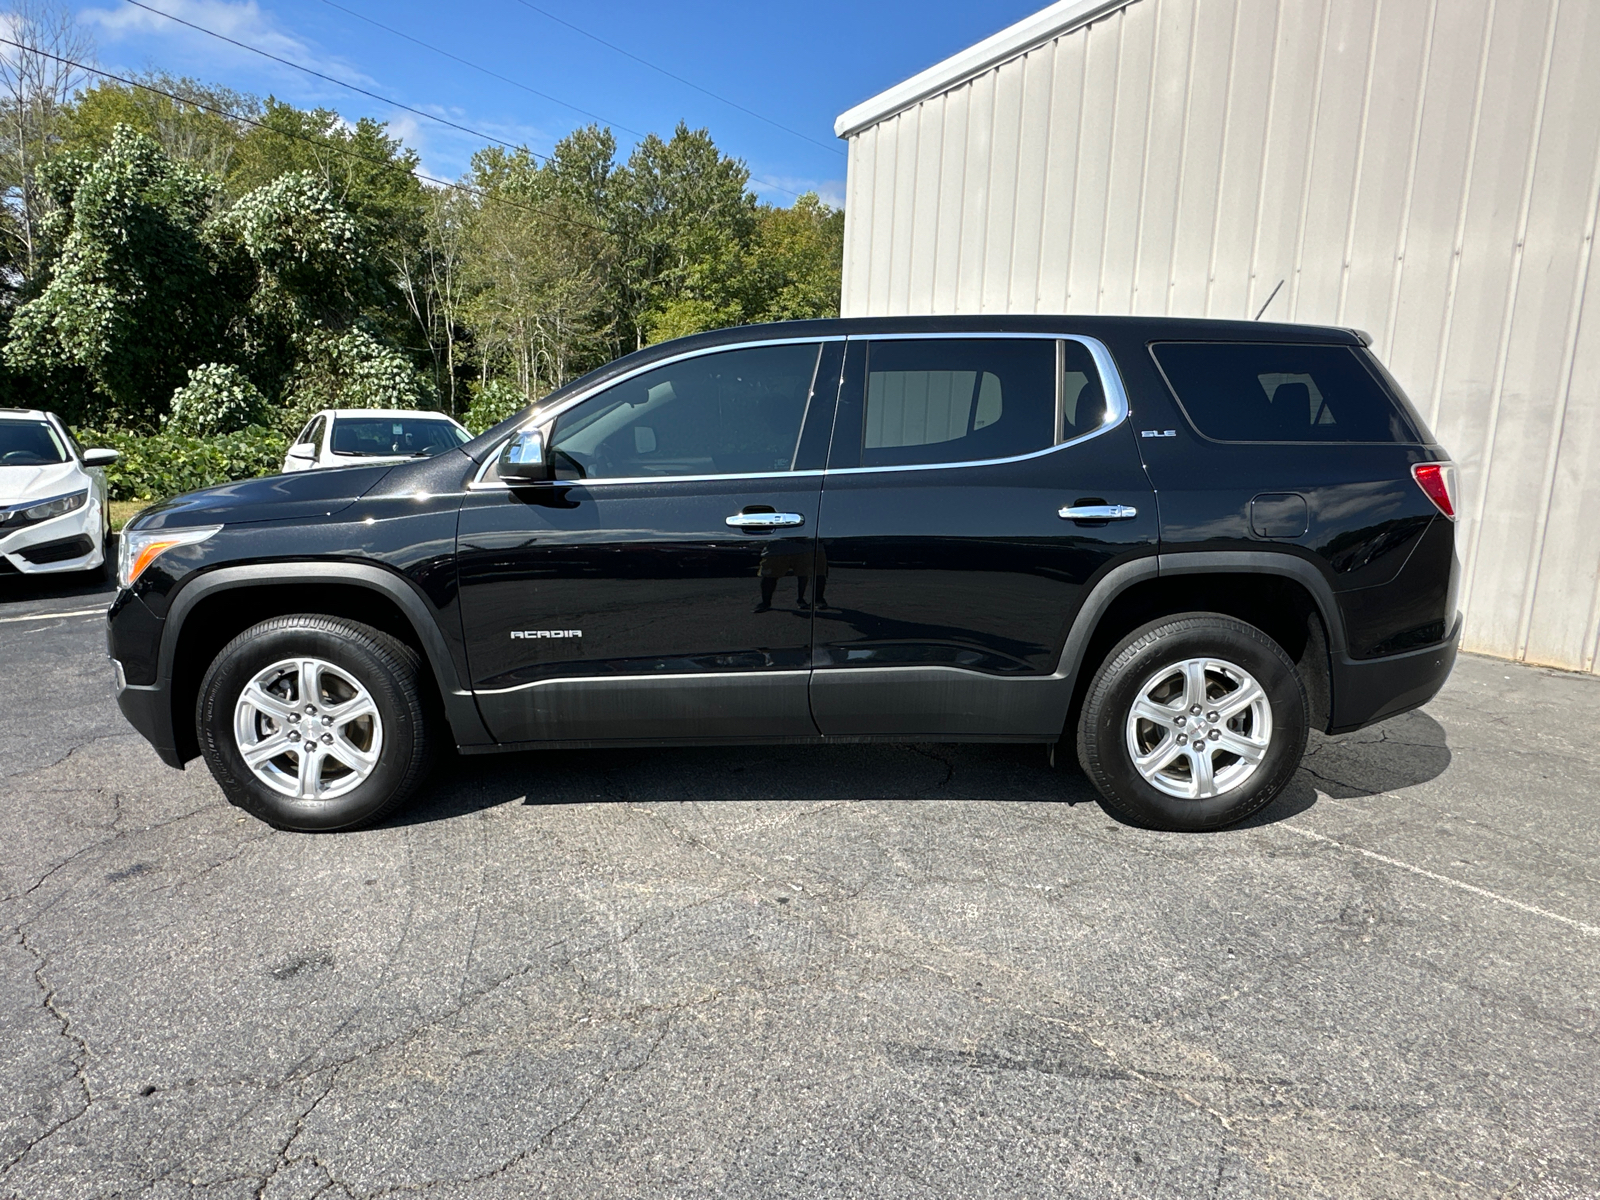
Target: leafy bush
(350, 370)
(217, 399)
(492, 403)
(168, 464)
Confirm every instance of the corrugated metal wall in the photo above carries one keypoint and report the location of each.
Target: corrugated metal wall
(1423, 169)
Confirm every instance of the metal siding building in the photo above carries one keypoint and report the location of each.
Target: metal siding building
(1426, 170)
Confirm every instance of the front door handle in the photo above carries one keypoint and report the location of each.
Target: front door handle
(765, 520)
(1098, 512)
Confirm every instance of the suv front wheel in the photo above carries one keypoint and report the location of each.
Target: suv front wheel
(1193, 722)
(314, 723)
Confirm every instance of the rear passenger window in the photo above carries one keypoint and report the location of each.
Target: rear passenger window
(1267, 392)
(961, 399)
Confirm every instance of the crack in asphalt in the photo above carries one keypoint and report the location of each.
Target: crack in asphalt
(80, 1058)
(299, 1127)
(118, 835)
(545, 1139)
(33, 768)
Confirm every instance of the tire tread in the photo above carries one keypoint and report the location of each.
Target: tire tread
(401, 662)
(1118, 661)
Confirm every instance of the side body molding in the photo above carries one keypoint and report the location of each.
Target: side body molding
(460, 707)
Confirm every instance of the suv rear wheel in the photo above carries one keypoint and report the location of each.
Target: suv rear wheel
(314, 723)
(1193, 722)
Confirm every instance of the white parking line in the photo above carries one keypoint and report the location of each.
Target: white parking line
(1591, 930)
(47, 616)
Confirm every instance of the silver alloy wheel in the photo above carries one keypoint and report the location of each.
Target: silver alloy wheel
(1199, 728)
(308, 729)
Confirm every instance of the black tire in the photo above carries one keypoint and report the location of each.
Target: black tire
(386, 668)
(1103, 733)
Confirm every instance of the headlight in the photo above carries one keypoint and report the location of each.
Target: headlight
(57, 506)
(138, 549)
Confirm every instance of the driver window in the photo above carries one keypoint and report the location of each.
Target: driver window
(736, 412)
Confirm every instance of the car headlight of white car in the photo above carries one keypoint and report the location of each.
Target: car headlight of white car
(137, 550)
(45, 510)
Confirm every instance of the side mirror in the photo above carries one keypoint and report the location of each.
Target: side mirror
(305, 450)
(524, 459)
(100, 458)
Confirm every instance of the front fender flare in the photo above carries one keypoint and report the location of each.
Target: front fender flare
(461, 709)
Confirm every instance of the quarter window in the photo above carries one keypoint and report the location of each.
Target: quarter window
(1271, 392)
(736, 412)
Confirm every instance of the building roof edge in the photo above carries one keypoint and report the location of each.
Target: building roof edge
(1061, 17)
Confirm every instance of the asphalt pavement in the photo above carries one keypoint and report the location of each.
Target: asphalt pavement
(896, 971)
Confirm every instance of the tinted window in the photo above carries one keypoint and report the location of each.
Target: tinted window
(1083, 401)
(29, 444)
(960, 399)
(1244, 392)
(737, 412)
(376, 437)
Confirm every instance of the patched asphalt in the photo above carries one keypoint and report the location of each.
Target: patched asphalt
(841, 972)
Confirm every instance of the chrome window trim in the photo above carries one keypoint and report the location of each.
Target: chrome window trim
(1117, 410)
(545, 417)
(495, 485)
(1061, 390)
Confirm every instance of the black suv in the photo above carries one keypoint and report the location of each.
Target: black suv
(1174, 546)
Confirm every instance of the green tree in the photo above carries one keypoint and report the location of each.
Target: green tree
(683, 216)
(536, 273)
(432, 279)
(793, 271)
(203, 127)
(305, 248)
(37, 80)
(130, 303)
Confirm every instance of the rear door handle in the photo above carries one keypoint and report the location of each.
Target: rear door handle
(765, 520)
(1098, 512)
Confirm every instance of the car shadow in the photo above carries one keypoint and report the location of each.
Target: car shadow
(904, 771)
(76, 585)
(68, 585)
(1401, 753)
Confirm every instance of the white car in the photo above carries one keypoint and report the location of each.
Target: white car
(350, 437)
(53, 511)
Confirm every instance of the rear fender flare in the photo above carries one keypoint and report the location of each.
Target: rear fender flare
(1120, 579)
(1264, 562)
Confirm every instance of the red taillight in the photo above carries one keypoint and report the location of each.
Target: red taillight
(1438, 480)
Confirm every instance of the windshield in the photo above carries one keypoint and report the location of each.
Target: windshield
(388, 437)
(29, 444)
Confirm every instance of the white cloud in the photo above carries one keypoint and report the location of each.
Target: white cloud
(241, 20)
(446, 153)
(782, 189)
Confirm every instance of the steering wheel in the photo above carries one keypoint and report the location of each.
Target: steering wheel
(21, 458)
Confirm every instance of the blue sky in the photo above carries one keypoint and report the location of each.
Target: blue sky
(799, 64)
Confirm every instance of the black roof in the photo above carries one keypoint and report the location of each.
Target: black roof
(1152, 329)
